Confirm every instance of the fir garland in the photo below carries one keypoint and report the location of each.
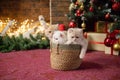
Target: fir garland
(8, 44)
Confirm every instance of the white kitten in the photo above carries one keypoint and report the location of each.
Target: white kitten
(50, 30)
(59, 37)
(75, 36)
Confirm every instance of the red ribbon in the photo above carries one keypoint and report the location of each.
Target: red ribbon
(94, 42)
(112, 50)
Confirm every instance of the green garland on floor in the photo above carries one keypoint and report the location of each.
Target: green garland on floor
(8, 44)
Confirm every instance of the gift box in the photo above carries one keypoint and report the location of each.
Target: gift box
(101, 27)
(96, 41)
(110, 51)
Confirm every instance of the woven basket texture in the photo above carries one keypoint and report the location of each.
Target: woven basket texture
(65, 57)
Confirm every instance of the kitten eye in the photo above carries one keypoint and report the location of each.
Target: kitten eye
(49, 31)
(72, 36)
(77, 37)
(56, 38)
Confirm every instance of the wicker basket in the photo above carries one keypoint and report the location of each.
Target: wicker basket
(65, 57)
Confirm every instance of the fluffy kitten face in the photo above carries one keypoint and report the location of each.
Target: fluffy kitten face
(59, 37)
(50, 30)
(75, 35)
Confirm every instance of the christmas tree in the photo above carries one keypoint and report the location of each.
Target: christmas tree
(85, 13)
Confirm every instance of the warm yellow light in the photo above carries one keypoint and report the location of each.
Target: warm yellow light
(21, 27)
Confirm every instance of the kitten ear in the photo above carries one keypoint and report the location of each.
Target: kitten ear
(81, 31)
(61, 35)
(55, 25)
(70, 30)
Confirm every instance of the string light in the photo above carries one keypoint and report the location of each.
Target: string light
(21, 28)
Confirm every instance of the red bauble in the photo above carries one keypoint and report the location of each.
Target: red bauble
(116, 6)
(109, 42)
(72, 24)
(91, 9)
(116, 32)
(110, 39)
(78, 12)
(107, 16)
(112, 35)
(61, 27)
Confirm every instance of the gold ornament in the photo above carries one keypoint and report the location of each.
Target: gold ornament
(83, 25)
(116, 47)
(82, 7)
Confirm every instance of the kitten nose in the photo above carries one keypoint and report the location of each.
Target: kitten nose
(74, 39)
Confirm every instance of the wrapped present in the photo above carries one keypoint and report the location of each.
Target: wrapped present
(96, 41)
(111, 51)
(101, 27)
